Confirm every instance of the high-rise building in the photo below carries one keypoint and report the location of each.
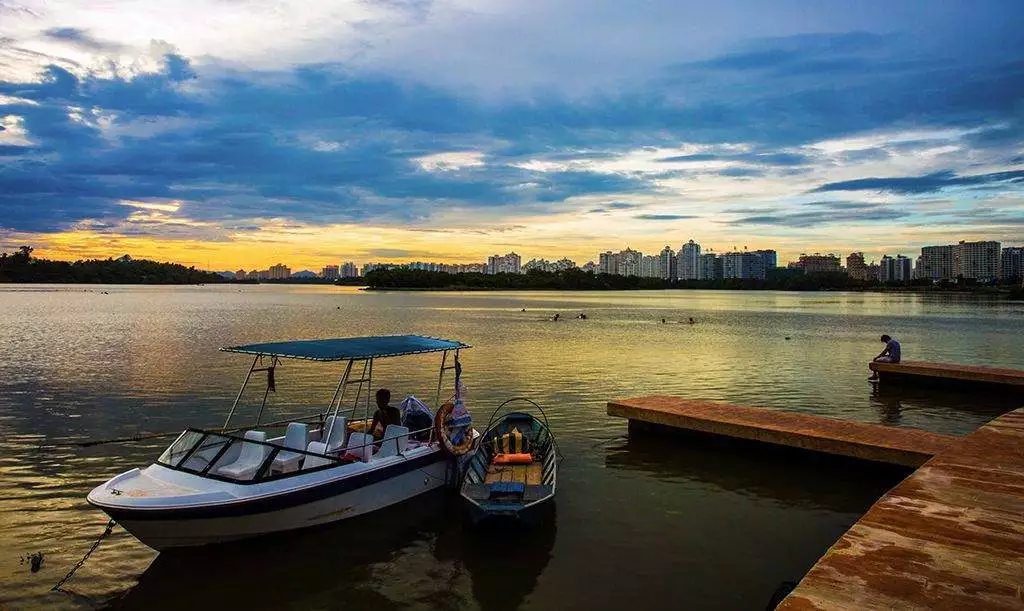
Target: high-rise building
(710, 267)
(280, 272)
(855, 266)
(817, 263)
(895, 269)
(742, 265)
(689, 261)
(608, 263)
(240, 274)
(769, 258)
(650, 266)
(348, 270)
(976, 260)
(504, 264)
(936, 263)
(668, 264)
(329, 272)
(1011, 264)
(629, 262)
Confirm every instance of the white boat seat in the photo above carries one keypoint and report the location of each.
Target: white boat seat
(296, 437)
(396, 440)
(360, 445)
(337, 433)
(316, 447)
(249, 458)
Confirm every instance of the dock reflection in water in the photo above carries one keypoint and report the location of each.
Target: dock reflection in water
(637, 521)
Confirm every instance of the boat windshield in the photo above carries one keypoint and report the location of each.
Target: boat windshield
(238, 459)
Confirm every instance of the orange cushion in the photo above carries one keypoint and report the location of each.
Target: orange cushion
(513, 459)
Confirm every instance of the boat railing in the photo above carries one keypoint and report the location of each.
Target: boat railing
(201, 452)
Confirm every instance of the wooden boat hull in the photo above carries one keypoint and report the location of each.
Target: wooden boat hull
(511, 491)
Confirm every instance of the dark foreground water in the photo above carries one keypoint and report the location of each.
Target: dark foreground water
(638, 522)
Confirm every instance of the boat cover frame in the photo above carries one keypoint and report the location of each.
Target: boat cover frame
(346, 348)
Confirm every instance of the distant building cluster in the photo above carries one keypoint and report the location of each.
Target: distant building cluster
(548, 266)
(688, 263)
(276, 272)
(983, 261)
(450, 268)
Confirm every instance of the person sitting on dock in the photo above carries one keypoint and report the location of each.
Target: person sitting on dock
(889, 354)
(386, 414)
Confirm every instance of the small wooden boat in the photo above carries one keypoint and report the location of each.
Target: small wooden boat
(513, 474)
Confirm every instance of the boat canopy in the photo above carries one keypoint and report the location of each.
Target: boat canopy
(343, 349)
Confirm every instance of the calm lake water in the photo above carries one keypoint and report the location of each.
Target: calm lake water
(648, 521)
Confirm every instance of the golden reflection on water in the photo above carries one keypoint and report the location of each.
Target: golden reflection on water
(78, 364)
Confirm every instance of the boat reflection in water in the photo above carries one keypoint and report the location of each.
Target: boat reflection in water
(376, 561)
(504, 558)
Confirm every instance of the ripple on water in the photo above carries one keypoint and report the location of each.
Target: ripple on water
(629, 512)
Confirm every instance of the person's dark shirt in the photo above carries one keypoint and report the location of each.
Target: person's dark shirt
(385, 416)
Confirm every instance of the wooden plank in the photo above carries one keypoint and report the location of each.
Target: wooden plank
(534, 474)
(950, 536)
(902, 446)
(966, 373)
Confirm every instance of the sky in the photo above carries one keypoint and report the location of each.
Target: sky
(235, 134)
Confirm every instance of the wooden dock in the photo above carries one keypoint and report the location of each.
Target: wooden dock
(950, 536)
(875, 442)
(969, 375)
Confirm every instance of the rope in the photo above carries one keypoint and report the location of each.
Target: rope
(106, 532)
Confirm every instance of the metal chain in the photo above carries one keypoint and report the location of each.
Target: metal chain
(106, 532)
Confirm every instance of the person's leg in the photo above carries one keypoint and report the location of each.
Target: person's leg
(881, 359)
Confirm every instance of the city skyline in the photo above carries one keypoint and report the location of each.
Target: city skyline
(975, 260)
(454, 129)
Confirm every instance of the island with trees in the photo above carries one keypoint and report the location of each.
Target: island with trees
(21, 266)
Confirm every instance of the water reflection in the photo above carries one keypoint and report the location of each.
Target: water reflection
(79, 365)
(503, 559)
(325, 567)
(368, 562)
(788, 477)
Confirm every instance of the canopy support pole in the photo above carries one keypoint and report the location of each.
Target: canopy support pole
(273, 363)
(440, 380)
(336, 400)
(248, 375)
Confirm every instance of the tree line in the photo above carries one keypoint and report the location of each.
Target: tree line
(21, 266)
(778, 279)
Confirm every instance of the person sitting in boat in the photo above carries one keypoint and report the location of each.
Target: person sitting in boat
(386, 414)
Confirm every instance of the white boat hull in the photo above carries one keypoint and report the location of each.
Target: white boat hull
(167, 528)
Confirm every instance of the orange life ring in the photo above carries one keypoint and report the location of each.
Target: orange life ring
(441, 433)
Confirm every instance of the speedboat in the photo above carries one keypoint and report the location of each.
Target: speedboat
(514, 471)
(235, 483)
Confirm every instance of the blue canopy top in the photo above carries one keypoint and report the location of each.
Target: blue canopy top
(342, 349)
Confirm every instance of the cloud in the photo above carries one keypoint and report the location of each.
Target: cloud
(930, 183)
(816, 218)
(523, 124)
(82, 39)
(664, 217)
